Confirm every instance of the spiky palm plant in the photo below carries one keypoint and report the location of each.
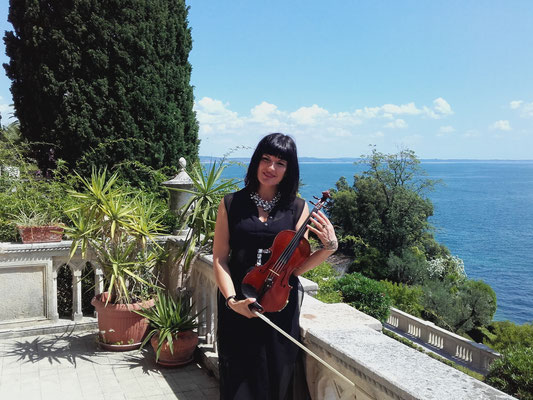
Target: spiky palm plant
(200, 212)
(119, 228)
(168, 317)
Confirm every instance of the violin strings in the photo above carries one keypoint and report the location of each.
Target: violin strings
(294, 243)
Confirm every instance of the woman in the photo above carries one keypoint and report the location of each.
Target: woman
(255, 361)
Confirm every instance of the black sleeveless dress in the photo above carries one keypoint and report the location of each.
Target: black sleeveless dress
(255, 361)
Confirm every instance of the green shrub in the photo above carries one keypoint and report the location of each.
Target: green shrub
(506, 334)
(404, 297)
(325, 276)
(411, 267)
(458, 306)
(32, 195)
(369, 262)
(513, 373)
(367, 295)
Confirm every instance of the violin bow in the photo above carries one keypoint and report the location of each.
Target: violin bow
(301, 346)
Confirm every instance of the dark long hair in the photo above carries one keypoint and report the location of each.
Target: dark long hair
(281, 146)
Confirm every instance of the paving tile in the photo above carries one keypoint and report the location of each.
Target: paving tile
(47, 372)
(112, 396)
(28, 394)
(57, 367)
(209, 392)
(137, 395)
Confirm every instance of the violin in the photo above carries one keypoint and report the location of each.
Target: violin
(269, 283)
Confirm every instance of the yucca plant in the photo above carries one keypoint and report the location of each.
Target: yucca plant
(168, 317)
(119, 228)
(200, 212)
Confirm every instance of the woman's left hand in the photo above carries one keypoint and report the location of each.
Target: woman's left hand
(324, 230)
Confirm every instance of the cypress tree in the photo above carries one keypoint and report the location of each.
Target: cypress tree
(103, 82)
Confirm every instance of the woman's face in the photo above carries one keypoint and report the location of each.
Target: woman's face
(271, 170)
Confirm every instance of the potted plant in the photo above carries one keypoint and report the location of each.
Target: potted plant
(117, 228)
(36, 227)
(172, 322)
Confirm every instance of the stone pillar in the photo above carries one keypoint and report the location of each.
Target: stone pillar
(52, 312)
(77, 312)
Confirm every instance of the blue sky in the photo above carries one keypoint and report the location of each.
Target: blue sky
(448, 79)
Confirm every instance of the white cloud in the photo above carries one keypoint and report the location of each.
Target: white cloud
(501, 125)
(214, 116)
(408, 109)
(472, 133)
(526, 109)
(442, 107)
(309, 115)
(447, 129)
(398, 123)
(221, 128)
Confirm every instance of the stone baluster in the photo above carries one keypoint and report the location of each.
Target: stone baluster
(52, 309)
(201, 304)
(98, 279)
(77, 312)
(425, 332)
(211, 313)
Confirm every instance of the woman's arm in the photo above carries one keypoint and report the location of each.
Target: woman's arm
(325, 233)
(221, 251)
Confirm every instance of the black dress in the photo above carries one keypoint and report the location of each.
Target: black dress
(255, 361)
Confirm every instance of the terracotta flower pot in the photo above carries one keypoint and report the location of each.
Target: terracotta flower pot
(40, 234)
(120, 329)
(184, 345)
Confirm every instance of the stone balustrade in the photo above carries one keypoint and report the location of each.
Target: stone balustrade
(474, 355)
(376, 366)
(28, 281)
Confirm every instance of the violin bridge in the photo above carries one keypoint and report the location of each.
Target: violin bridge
(274, 272)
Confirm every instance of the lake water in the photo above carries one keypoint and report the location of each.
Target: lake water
(483, 212)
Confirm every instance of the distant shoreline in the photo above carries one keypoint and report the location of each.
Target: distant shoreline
(352, 160)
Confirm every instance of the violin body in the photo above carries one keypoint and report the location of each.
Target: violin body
(271, 280)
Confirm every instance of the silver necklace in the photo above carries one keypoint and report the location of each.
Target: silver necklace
(267, 206)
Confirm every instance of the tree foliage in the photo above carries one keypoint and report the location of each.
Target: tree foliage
(325, 276)
(100, 82)
(385, 205)
(404, 297)
(367, 295)
(387, 210)
(506, 334)
(383, 221)
(513, 373)
(459, 306)
(24, 193)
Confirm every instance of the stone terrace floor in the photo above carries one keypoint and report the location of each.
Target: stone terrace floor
(58, 366)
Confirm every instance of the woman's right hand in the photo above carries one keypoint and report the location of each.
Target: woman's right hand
(242, 307)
